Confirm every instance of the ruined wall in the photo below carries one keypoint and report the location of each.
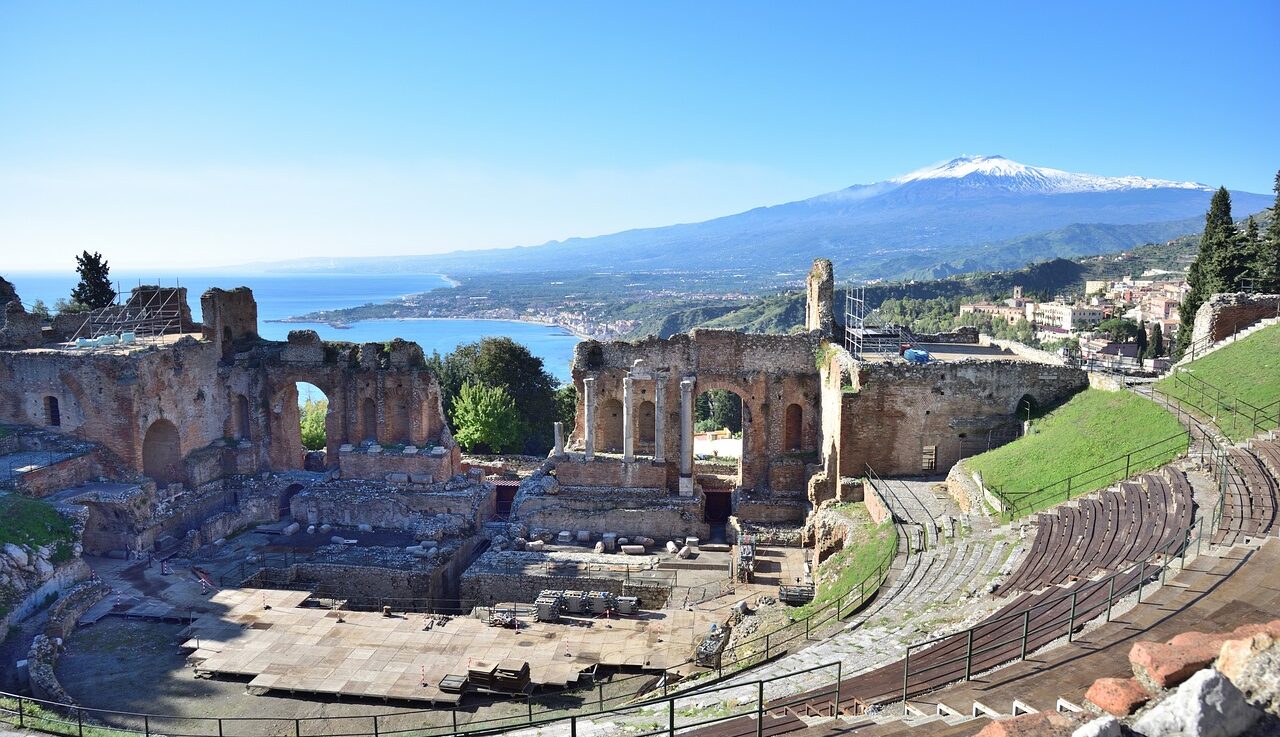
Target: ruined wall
(1223, 315)
(486, 588)
(768, 372)
(895, 411)
(57, 476)
(407, 465)
(574, 471)
(466, 502)
(819, 288)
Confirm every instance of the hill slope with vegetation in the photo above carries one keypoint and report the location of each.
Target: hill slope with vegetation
(1236, 387)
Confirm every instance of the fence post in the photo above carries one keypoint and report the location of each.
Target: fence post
(573, 726)
(1111, 594)
(80, 720)
(454, 713)
(835, 707)
(375, 725)
(1026, 628)
(968, 656)
(906, 674)
(146, 725)
(759, 708)
(219, 726)
(21, 716)
(1127, 458)
(1071, 622)
(671, 717)
(297, 728)
(1142, 574)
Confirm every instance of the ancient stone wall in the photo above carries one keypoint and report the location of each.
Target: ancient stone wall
(405, 465)
(63, 474)
(1223, 315)
(897, 414)
(573, 470)
(488, 588)
(769, 373)
(819, 289)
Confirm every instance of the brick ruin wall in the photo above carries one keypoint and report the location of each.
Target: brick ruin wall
(1222, 315)
(768, 372)
(892, 412)
(488, 588)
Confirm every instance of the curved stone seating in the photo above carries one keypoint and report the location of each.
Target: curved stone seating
(1249, 501)
(1105, 532)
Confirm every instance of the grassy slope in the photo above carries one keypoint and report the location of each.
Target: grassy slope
(1092, 428)
(29, 522)
(1248, 371)
(872, 546)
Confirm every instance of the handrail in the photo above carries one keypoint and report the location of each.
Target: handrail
(1255, 419)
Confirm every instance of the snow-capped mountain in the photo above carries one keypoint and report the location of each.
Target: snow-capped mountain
(999, 172)
(969, 213)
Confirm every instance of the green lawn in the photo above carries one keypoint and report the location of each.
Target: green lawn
(872, 547)
(1241, 374)
(1079, 447)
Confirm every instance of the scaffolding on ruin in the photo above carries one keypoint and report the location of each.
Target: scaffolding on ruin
(149, 314)
(862, 334)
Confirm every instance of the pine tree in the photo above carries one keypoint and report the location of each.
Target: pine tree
(1141, 339)
(94, 290)
(1268, 266)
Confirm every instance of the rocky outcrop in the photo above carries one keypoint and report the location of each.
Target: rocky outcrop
(1206, 705)
(1164, 665)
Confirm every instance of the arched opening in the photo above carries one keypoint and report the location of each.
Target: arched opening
(609, 426)
(240, 416)
(52, 414)
(1027, 408)
(793, 427)
(162, 454)
(313, 410)
(717, 451)
(368, 421)
(644, 421)
(286, 497)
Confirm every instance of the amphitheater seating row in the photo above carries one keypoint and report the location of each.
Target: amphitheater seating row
(1107, 531)
(1250, 497)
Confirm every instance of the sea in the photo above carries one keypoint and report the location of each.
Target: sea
(281, 296)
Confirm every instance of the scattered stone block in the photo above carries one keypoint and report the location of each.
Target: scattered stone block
(398, 478)
(1165, 665)
(564, 538)
(1040, 724)
(599, 547)
(633, 550)
(684, 553)
(1256, 674)
(536, 545)
(311, 529)
(692, 542)
(421, 478)
(346, 448)
(338, 540)
(410, 450)
(1107, 726)
(326, 527)
(672, 547)
(292, 529)
(375, 449)
(1206, 705)
(610, 540)
(584, 536)
(364, 527)
(1117, 696)
(1235, 655)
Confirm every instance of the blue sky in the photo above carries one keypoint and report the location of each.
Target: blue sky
(191, 134)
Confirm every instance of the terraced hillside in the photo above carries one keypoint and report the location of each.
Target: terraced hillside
(1096, 438)
(1237, 387)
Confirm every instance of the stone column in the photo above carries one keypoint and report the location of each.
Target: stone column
(628, 420)
(686, 436)
(589, 415)
(659, 418)
(558, 427)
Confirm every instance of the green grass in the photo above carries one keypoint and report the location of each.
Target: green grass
(871, 547)
(26, 521)
(1245, 372)
(1086, 439)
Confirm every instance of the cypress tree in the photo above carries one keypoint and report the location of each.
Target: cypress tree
(94, 289)
(1218, 266)
(1155, 341)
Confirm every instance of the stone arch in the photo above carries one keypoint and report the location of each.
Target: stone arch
(609, 425)
(162, 453)
(793, 428)
(645, 415)
(368, 420)
(240, 417)
(52, 412)
(1026, 403)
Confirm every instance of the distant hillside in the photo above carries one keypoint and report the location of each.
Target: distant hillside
(981, 212)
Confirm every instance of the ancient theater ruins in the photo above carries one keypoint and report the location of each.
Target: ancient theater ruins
(645, 562)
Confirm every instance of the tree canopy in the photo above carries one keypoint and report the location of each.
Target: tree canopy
(716, 409)
(504, 363)
(486, 419)
(94, 290)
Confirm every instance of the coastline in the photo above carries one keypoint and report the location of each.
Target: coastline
(347, 325)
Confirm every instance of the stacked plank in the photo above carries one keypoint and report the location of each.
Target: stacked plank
(507, 675)
(1250, 497)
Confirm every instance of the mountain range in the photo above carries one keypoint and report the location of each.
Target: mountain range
(969, 213)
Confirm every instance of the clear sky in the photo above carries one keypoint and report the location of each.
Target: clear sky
(187, 134)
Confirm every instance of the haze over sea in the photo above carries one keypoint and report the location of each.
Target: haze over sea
(281, 296)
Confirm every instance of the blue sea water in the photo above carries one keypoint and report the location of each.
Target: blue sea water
(285, 296)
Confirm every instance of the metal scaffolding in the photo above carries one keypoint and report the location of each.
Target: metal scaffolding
(149, 314)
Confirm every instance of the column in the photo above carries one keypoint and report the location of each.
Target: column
(659, 418)
(589, 415)
(686, 437)
(558, 450)
(628, 420)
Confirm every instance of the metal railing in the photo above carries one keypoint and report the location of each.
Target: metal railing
(1121, 467)
(660, 716)
(1230, 414)
(984, 646)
